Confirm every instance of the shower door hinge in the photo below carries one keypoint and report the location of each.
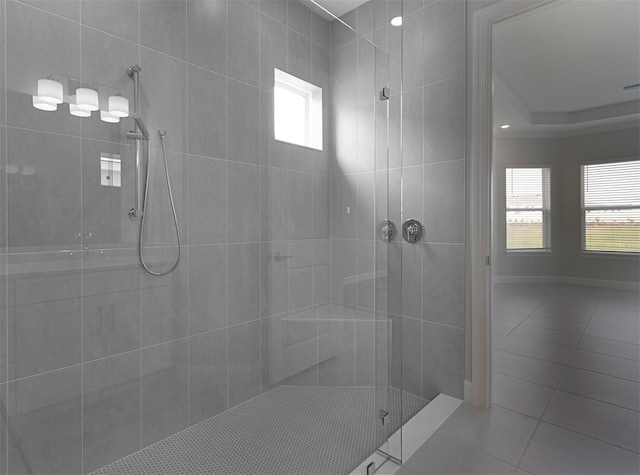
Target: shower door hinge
(385, 94)
(382, 414)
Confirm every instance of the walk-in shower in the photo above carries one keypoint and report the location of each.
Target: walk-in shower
(271, 327)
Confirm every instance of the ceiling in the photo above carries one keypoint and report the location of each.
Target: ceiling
(336, 7)
(561, 68)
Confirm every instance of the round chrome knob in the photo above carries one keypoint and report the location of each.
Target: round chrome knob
(412, 231)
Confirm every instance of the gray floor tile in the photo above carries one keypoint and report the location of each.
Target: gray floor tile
(610, 347)
(612, 334)
(546, 335)
(571, 305)
(554, 450)
(443, 455)
(520, 396)
(602, 387)
(621, 312)
(529, 369)
(535, 349)
(599, 420)
(560, 313)
(497, 431)
(505, 315)
(501, 329)
(606, 364)
(556, 324)
(622, 324)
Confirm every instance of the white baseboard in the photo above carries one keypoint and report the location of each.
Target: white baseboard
(554, 279)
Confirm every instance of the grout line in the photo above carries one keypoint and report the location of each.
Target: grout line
(552, 395)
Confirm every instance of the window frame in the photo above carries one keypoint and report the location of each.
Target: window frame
(583, 209)
(546, 214)
(313, 102)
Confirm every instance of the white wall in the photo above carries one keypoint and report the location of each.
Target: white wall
(564, 155)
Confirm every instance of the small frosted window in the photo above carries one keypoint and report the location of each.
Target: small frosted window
(297, 111)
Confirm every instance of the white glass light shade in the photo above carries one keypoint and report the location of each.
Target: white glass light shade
(87, 99)
(50, 91)
(107, 116)
(38, 103)
(75, 110)
(118, 106)
(396, 21)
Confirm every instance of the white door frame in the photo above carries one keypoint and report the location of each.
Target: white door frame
(479, 202)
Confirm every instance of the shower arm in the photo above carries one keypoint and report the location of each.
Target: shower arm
(139, 134)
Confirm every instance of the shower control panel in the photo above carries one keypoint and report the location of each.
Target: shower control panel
(387, 230)
(412, 231)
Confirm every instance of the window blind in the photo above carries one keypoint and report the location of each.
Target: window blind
(611, 206)
(528, 207)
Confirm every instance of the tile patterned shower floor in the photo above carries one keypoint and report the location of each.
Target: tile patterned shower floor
(289, 430)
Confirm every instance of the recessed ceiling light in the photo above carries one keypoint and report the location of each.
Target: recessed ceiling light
(396, 21)
(505, 126)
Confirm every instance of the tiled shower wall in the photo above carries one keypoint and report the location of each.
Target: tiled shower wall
(429, 309)
(99, 359)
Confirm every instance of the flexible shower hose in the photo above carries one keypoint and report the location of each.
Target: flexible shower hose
(163, 134)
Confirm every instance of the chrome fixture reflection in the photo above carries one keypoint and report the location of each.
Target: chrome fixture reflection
(387, 230)
(412, 231)
(281, 257)
(141, 134)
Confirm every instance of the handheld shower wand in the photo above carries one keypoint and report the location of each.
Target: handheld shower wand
(140, 134)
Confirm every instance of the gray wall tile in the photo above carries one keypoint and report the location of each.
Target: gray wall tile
(274, 279)
(299, 18)
(164, 98)
(163, 26)
(444, 195)
(444, 284)
(244, 283)
(273, 50)
(244, 202)
(243, 48)
(444, 40)
(444, 121)
(276, 9)
(66, 8)
(46, 414)
(164, 390)
(300, 199)
(207, 34)
(244, 127)
(118, 17)
(163, 302)
(110, 315)
(244, 359)
(207, 201)
(111, 409)
(337, 358)
(207, 113)
(207, 288)
(299, 56)
(47, 191)
(208, 369)
(442, 360)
